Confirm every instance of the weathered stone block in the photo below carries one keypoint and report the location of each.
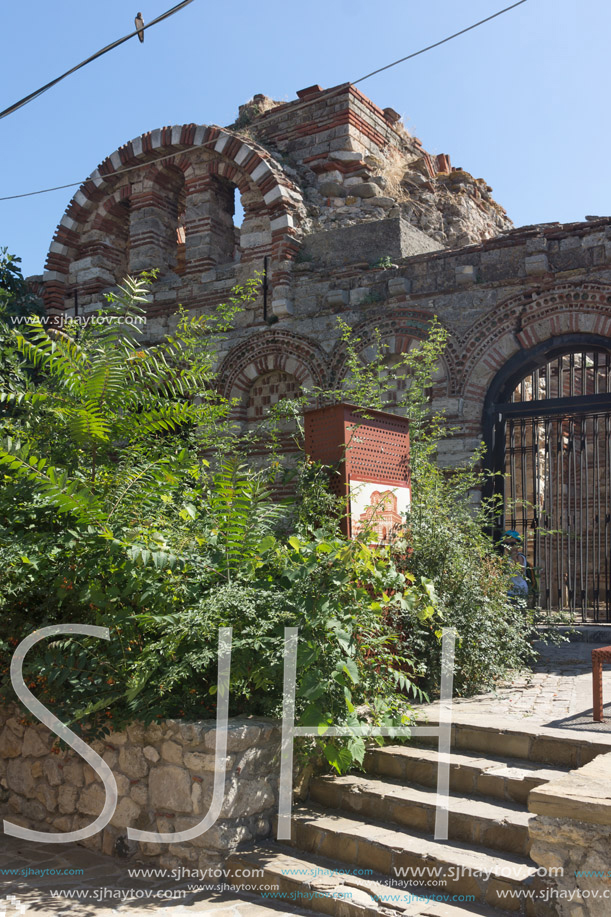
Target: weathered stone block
(170, 789)
(337, 298)
(465, 274)
(126, 813)
(537, 244)
(331, 189)
(257, 762)
(151, 754)
(536, 264)
(239, 737)
(399, 286)
(73, 772)
(132, 762)
(251, 796)
(170, 752)
(346, 155)
(67, 796)
(365, 189)
(282, 307)
(47, 796)
(15, 726)
(359, 295)
(19, 777)
(392, 237)
(91, 800)
(10, 744)
(139, 793)
(205, 763)
(52, 771)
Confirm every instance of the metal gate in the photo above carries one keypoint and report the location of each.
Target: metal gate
(552, 441)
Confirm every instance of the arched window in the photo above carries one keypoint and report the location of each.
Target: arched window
(267, 391)
(392, 380)
(105, 250)
(157, 225)
(222, 200)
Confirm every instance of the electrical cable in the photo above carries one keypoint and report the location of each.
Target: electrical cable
(442, 42)
(268, 115)
(115, 44)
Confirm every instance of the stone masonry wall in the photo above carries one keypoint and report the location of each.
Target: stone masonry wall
(164, 774)
(572, 832)
(357, 162)
(354, 220)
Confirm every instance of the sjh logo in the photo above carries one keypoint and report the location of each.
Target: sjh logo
(289, 733)
(11, 906)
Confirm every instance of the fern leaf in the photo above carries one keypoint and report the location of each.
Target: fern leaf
(52, 484)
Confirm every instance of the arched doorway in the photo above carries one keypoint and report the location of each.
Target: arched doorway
(548, 431)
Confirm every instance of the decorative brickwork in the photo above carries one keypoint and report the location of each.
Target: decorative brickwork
(277, 352)
(529, 319)
(397, 335)
(357, 221)
(268, 390)
(153, 190)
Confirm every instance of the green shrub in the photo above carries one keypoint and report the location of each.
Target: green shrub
(109, 515)
(446, 540)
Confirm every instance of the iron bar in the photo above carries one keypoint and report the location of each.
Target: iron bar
(554, 444)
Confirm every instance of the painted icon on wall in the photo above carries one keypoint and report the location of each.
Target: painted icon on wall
(377, 508)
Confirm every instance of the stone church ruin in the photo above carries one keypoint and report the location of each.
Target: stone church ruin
(353, 218)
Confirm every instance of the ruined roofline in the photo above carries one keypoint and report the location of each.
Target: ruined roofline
(518, 236)
(533, 238)
(316, 93)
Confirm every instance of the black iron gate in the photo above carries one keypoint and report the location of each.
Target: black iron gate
(551, 438)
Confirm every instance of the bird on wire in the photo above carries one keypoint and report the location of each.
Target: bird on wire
(139, 21)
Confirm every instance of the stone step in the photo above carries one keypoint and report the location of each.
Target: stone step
(510, 779)
(490, 823)
(465, 869)
(322, 886)
(526, 740)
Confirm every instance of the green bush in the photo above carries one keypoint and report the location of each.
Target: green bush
(446, 540)
(110, 515)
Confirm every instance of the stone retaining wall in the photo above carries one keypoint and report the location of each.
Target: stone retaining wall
(572, 832)
(164, 774)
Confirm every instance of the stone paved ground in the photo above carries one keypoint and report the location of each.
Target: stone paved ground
(52, 895)
(558, 693)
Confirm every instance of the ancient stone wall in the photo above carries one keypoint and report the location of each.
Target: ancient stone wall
(358, 163)
(354, 220)
(164, 775)
(572, 833)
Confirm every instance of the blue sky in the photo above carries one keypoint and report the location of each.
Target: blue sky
(522, 101)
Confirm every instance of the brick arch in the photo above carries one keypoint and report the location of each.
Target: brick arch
(243, 162)
(274, 351)
(108, 243)
(527, 320)
(397, 331)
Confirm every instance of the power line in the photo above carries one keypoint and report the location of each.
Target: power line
(442, 42)
(330, 93)
(269, 115)
(115, 44)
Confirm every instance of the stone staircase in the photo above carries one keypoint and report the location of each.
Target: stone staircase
(363, 843)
